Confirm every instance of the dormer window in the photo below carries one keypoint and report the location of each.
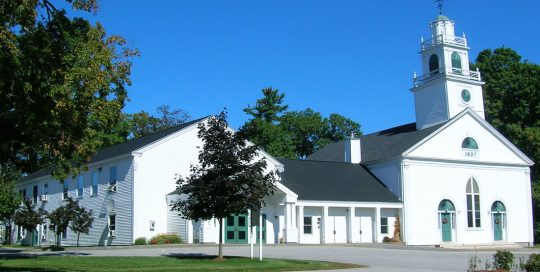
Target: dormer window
(469, 143)
(434, 64)
(456, 63)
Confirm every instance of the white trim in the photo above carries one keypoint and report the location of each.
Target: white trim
(139, 151)
(483, 123)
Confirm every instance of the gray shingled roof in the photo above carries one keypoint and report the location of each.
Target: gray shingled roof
(333, 181)
(379, 145)
(121, 149)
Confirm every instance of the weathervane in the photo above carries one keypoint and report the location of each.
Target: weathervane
(440, 4)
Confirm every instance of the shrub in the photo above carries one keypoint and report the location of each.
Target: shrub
(386, 239)
(140, 241)
(503, 260)
(166, 238)
(533, 264)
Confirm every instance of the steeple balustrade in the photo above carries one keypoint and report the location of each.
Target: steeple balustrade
(446, 71)
(444, 39)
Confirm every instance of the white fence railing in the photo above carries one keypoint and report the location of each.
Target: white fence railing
(446, 71)
(444, 39)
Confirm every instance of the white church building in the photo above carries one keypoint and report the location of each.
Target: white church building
(450, 177)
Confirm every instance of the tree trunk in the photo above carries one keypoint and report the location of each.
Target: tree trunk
(78, 235)
(31, 237)
(220, 254)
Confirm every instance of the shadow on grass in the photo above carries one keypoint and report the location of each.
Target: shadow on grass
(197, 256)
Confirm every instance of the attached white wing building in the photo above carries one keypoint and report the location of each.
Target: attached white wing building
(450, 177)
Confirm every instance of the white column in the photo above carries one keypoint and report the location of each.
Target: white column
(377, 224)
(350, 225)
(189, 231)
(300, 217)
(323, 224)
(293, 216)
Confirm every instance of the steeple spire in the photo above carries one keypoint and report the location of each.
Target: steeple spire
(440, 5)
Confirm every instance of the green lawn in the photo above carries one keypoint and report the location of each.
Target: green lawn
(161, 264)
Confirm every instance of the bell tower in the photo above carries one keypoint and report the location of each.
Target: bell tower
(446, 86)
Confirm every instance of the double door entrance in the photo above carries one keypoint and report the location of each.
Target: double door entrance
(237, 229)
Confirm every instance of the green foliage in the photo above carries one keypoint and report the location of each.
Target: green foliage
(503, 260)
(29, 218)
(142, 123)
(165, 238)
(60, 218)
(62, 86)
(294, 134)
(141, 241)
(229, 178)
(512, 105)
(532, 264)
(9, 201)
(269, 107)
(82, 220)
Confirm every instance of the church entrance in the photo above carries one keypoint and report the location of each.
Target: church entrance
(447, 217)
(446, 227)
(236, 229)
(498, 215)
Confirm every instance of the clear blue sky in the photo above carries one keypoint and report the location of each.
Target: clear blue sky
(355, 58)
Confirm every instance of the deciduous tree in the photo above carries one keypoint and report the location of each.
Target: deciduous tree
(229, 179)
(82, 221)
(142, 123)
(62, 83)
(29, 218)
(512, 105)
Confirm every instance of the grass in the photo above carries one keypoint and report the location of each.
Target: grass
(161, 264)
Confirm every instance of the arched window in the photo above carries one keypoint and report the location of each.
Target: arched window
(456, 63)
(473, 204)
(498, 207)
(434, 64)
(469, 143)
(446, 206)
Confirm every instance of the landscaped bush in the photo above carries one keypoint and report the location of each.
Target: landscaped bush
(166, 238)
(533, 264)
(140, 241)
(503, 260)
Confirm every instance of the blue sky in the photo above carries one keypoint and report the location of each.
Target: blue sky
(355, 58)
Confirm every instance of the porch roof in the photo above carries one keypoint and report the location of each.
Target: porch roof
(333, 181)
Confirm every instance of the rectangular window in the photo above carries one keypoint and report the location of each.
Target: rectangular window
(112, 179)
(46, 188)
(35, 195)
(308, 226)
(24, 194)
(95, 176)
(112, 222)
(65, 190)
(384, 225)
(80, 186)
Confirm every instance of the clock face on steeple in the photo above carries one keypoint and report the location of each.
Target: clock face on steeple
(466, 96)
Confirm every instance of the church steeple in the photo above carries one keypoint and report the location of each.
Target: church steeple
(446, 86)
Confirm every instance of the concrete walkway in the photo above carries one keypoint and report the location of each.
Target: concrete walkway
(378, 257)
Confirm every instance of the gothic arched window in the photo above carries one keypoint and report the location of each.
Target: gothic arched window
(434, 64)
(473, 204)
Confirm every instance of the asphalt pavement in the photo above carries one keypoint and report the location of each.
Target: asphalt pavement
(378, 257)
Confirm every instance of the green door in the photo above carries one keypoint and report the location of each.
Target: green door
(35, 238)
(446, 226)
(497, 227)
(236, 229)
(263, 230)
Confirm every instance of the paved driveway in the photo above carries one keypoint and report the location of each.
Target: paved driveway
(379, 257)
